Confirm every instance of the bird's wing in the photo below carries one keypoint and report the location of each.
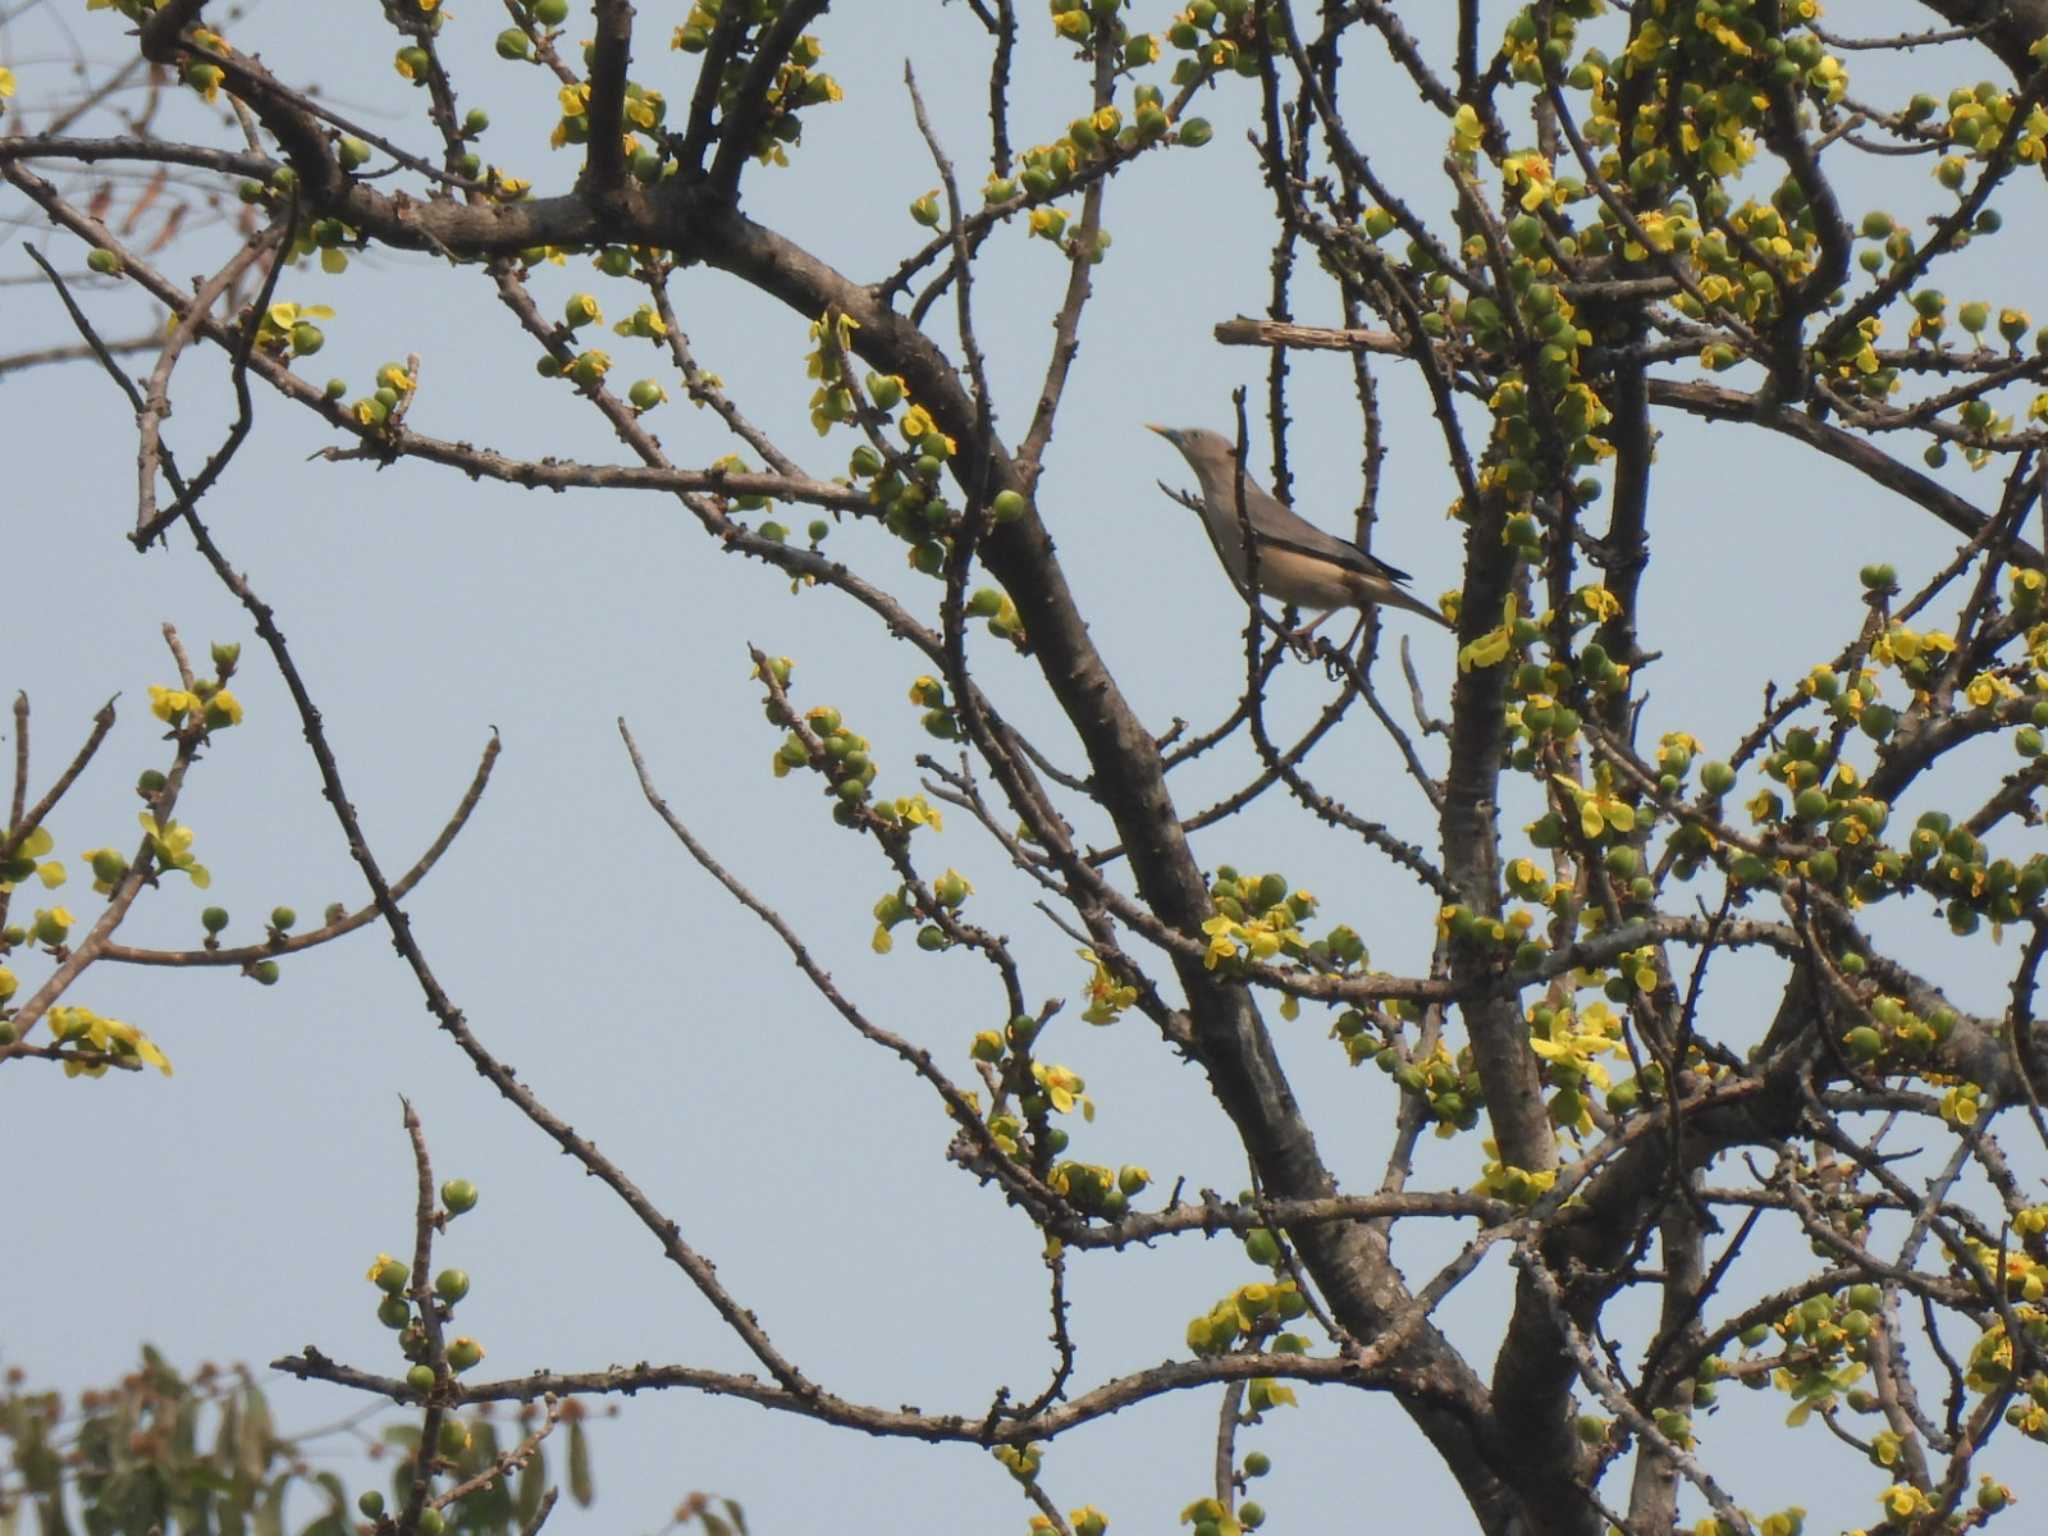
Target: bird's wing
(1288, 529)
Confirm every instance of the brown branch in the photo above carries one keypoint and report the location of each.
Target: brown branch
(978, 1428)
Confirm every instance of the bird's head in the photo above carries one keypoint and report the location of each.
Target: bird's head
(1201, 448)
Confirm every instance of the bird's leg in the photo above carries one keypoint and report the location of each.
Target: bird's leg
(1336, 658)
(1299, 639)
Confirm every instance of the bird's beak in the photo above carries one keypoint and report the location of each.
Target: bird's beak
(1165, 432)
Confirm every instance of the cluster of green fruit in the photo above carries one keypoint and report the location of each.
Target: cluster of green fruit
(415, 61)
(1268, 897)
(282, 919)
(1010, 1049)
(1046, 170)
(395, 1309)
(1449, 1090)
(898, 907)
(1826, 1342)
(539, 16)
(1098, 1191)
(1944, 859)
(1556, 422)
(906, 486)
(1980, 119)
(1223, 35)
(1532, 56)
(1365, 1035)
(1894, 1033)
(841, 756)
(1253, 1313)
(1209, 1517)
(797, 83)
(377, 408)
(1543, 317)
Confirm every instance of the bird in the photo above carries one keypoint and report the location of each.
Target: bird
(1298, 562)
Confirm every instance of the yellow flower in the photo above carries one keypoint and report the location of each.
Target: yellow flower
(1986, 687)
(821, 364)
(1534, 170)
(172, 845)
(170, 704)
(1491, 648)
(110, 1037)
(1599, 602)
(917, 423)
(1517, 1186)
(1959, 1105)
(1599, 807)
(1107, 997)
(1062, 1085)
(1902, 1500)
(127, 1040)
(1466, 132)
(1900, 645)
(223, 709)
(914, 810)
(1222, 933)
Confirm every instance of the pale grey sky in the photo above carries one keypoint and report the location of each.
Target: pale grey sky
(229, 1212)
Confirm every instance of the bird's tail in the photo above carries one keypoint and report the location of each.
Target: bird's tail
(1389, 595)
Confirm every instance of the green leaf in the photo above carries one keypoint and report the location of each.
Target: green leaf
(178, 1421)
(337, 1493)
(533, 1487)
(50, 1517)
(253, 1438)
(269, 1512)
(230, 1433)
(581, 1489)
(489, 1507)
